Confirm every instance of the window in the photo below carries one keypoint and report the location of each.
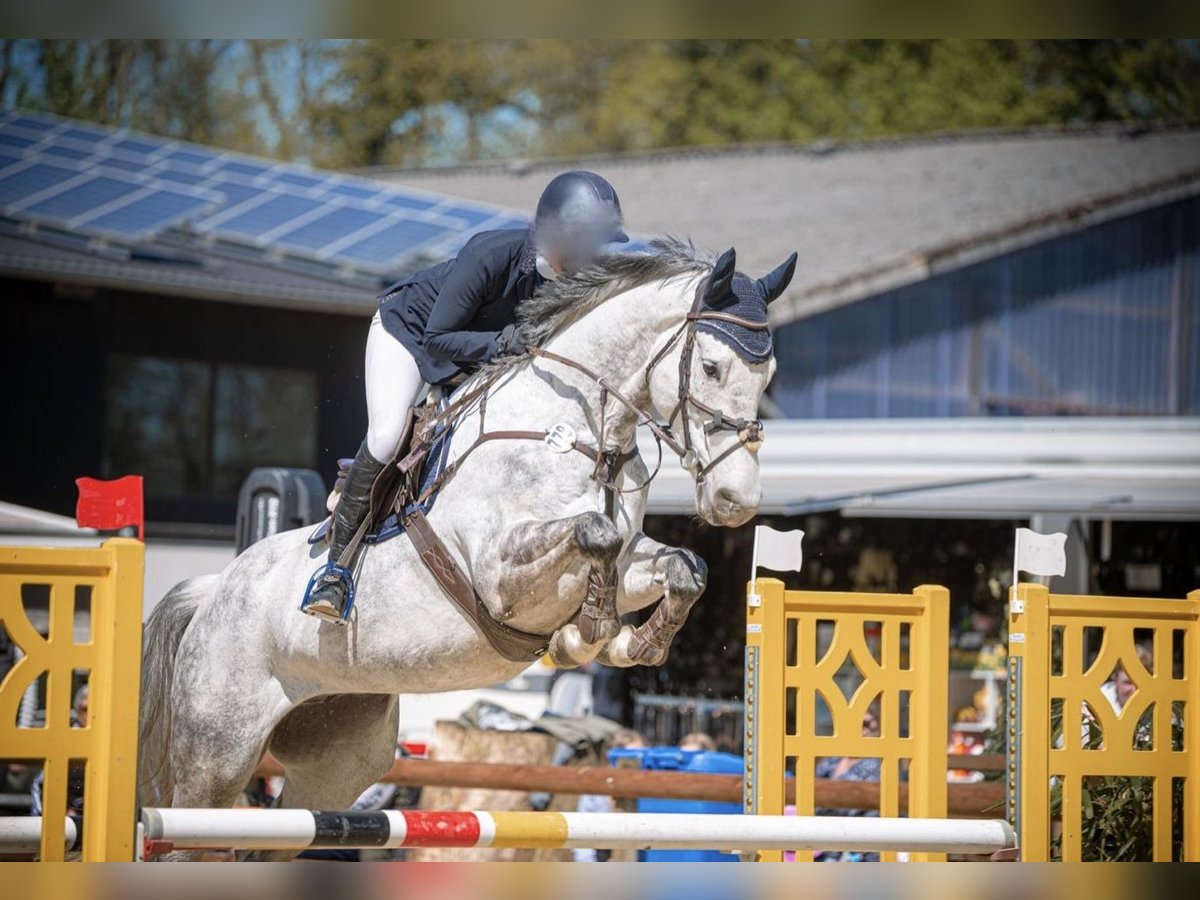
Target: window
(196, 429)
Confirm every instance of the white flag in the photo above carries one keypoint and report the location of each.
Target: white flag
(1040, 554)
(778, 550)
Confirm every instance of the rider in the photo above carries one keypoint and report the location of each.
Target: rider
(451, 318)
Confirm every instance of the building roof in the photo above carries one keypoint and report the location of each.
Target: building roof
(868, 217)
(24, 520)
(87, 203)
(203, 274)
(1144, 469)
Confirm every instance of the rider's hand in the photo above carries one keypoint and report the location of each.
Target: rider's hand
(510, 341)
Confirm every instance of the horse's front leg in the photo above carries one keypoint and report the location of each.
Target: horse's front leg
(536, 555)
(655, 570)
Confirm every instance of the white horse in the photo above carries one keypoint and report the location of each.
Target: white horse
(233, 668)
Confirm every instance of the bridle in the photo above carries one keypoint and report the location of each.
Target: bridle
(749, 431)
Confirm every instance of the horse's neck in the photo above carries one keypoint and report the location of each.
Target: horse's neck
(617, 340)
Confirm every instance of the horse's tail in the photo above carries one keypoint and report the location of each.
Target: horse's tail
(164, 630)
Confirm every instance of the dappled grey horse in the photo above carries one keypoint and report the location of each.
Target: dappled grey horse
(232, 668)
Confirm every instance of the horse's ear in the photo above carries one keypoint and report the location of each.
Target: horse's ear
(774, 283)
(722, 277)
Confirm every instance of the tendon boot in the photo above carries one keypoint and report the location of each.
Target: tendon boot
(332, 587)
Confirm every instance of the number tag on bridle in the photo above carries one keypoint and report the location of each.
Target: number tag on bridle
(561, 438)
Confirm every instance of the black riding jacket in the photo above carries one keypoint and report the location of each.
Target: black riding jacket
(449, 315)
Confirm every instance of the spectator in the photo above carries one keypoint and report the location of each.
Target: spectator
(626, 739)
(79, 719)
(697, 740)
(1119, 687)
(849, 768)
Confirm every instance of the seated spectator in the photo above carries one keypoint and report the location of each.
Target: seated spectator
(697, 740)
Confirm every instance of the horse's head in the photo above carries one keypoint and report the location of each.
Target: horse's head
(711, 396)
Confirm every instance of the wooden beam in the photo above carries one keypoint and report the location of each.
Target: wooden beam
(979, 799)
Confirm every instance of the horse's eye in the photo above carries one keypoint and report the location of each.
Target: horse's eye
(710, 369)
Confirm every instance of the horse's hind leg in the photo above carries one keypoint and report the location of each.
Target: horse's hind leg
(218, 736)
(333, 748)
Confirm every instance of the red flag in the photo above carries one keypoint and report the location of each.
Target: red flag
(109, 505)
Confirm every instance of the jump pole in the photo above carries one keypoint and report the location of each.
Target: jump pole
(23, 834)
(280, 829)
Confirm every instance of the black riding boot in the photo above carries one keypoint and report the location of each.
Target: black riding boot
(328, 598)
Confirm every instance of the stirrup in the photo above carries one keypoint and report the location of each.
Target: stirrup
(331, 571)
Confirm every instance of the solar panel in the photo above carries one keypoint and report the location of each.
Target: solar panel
(147, 214)
(251, 170)
(191, 157)
(66, 152)
(179, 176)
(32, 180)
(125, 165)
(14, 140)
(402, 201)
(392, 243)
(235, 192)
(81, 198)
(121, 183)
(31, 124)
(355, 190)
(269, 215)
(134, 146)
(472, 217)
(85, 135)
(296, 179)
(329, 228)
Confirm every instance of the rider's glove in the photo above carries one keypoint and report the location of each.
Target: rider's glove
(510, 341)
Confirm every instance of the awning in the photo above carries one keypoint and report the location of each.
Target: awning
(1011, 468)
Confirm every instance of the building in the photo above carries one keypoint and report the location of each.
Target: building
(985, 330)
(186, 314)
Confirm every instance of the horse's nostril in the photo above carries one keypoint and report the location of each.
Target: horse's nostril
(728, 497)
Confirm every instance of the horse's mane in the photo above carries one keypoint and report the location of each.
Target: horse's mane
(560, 303)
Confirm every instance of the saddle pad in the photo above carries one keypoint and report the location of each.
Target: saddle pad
(435, 464)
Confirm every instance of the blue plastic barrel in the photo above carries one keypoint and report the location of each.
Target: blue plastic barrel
(692, 761)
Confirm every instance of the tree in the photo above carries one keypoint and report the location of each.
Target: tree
(424, 102)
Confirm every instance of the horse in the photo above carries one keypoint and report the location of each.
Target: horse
(233, 669)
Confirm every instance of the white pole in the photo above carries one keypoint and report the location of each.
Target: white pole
(1012, 591)
(734, 832)
(23, 834)
(753, 598)
(250, 829)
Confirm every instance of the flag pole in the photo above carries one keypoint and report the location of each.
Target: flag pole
(1016, 576)
(753, 598)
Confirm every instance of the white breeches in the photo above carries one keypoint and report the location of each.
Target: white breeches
(393, 385)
